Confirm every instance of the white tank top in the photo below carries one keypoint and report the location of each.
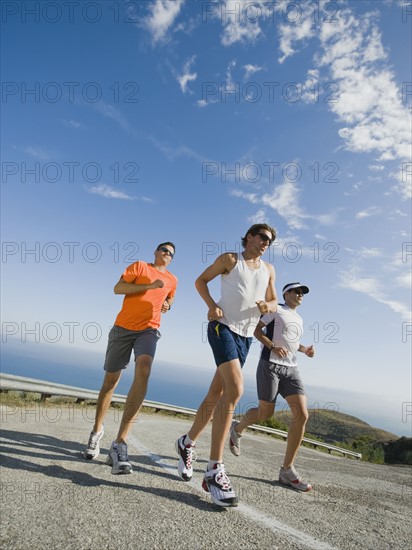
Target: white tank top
(241, 288)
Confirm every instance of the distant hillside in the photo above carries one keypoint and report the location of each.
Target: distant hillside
(333, 426)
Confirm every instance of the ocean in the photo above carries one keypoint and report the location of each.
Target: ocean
(184, 386)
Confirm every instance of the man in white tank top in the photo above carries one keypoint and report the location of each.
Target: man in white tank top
(247, 292)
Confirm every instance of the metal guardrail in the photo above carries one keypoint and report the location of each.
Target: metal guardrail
(47, 389)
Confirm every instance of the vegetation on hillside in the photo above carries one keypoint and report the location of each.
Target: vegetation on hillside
(375, 445)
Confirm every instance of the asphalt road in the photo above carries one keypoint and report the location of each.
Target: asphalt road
(52, 497)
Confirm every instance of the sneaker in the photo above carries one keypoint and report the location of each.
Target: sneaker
(185, 452)
(217, 484)
(93, 448)
(118, 459)
(292, 478)
(234, 439)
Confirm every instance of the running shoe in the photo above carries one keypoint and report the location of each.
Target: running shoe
(291, 477)
(185, 452)
(234, 439)
(93, 448)
(118, 459)
(216, 482)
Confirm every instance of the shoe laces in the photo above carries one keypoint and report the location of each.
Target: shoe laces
(189, 455)
(222, 478)
(93, 440)
(122, 452)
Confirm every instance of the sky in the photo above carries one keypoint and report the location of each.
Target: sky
(126, 124)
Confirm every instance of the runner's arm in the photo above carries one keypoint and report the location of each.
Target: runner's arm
(121, 287)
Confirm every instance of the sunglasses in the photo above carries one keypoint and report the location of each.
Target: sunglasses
(298, 291)
(166, 250)
(264, 237)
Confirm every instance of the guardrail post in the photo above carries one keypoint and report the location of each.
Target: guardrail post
(45, 396)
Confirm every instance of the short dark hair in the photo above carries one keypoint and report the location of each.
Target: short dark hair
(159, 246)
(254, 230)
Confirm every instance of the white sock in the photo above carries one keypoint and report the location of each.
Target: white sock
(188, 441)
(211, 464)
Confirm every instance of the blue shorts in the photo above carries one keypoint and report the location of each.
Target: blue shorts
(226, 344)
(121, 343)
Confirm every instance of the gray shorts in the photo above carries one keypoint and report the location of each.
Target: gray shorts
(273, 379)
(121, 343)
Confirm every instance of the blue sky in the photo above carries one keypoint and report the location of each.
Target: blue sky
(125, 124)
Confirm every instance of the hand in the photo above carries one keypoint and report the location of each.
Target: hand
(165, 307)
(158, 283)
(310, 352)
(214, 313)
(263, 307)
(279, 351)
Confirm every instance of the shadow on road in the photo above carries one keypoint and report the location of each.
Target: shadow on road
(22, 450)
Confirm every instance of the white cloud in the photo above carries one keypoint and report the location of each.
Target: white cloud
(230, 85)
(251, 197)
(404, 177)
(37, 152)
(187, 27)
(365, 252)
(73, 124)
(114, 114)
(240, 23)
(285, 201)
(110, 193)
(368, 100)
(162, 16)
(404, 280)
(376, 167)
(250, 70)
(371, 211)
(373, 288)
(310, 90)
(187, 76)
(299, 31)
(259, 217)
(174, 152)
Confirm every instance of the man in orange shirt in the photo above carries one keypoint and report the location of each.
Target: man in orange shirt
(149, 291)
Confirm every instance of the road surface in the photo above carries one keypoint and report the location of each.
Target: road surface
(51, 496)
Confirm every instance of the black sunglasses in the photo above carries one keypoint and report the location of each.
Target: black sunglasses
(264, 237)
(164, 249)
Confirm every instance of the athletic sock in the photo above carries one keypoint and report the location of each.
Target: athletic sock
(188, 441)
(211, 464)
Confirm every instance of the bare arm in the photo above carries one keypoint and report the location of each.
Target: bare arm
(223, 264)
(261, 336)
(121, 287)
(307, 350)
(270, 304)
(167, 304)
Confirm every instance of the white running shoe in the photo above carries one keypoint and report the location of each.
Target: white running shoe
(118, 459)
(93, 448)
(185, 452)
(216, 482)
(292, 478)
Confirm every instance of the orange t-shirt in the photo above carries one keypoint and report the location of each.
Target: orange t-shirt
(140, 311)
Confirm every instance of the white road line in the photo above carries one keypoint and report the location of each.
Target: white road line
(257, 516)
